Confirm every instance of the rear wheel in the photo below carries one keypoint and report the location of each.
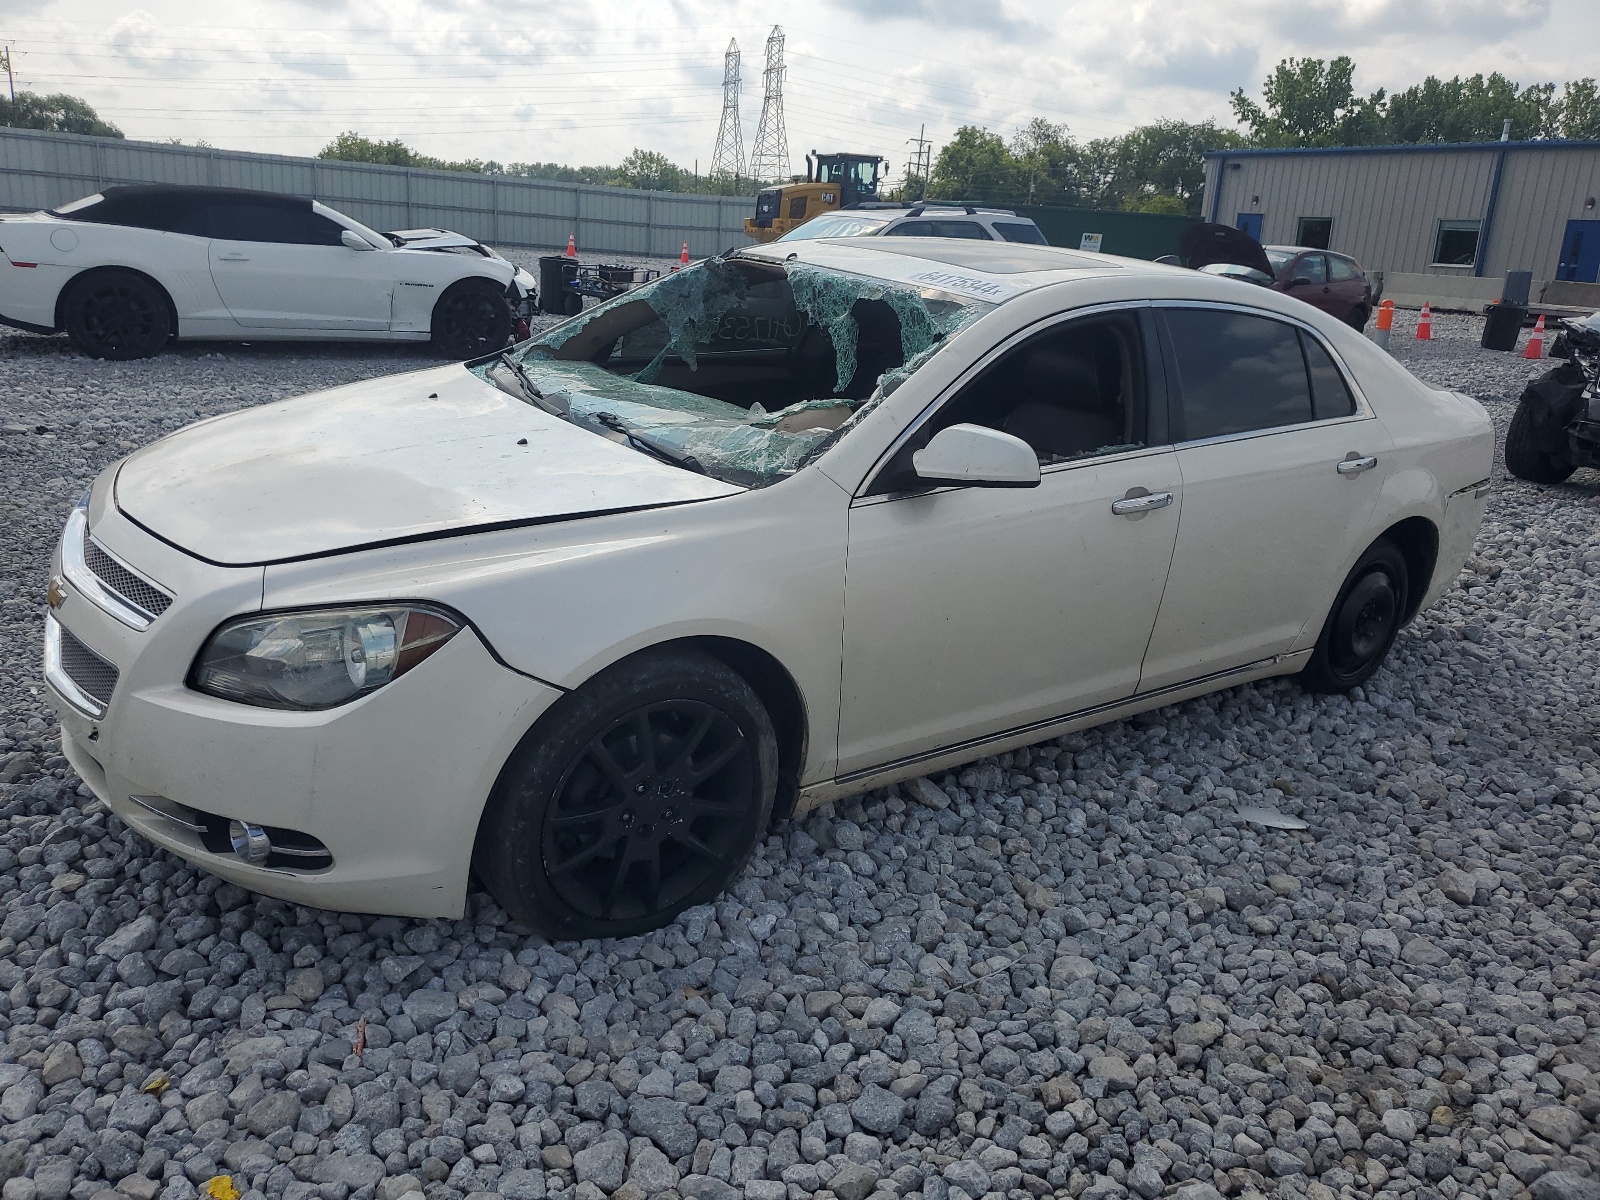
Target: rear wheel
(1357, 318)
(1525, 459)
(637, 796)
(116, 315)
(1363, 623)
(472, 318)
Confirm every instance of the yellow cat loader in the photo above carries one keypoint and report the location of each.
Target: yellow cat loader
(832, 181)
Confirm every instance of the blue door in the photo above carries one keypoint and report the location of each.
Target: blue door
(1580, 252)
(1251, 224)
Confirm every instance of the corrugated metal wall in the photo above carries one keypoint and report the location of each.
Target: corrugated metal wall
(40, 170)
(1386, 205)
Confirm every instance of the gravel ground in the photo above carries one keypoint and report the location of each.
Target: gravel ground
(1072, 970)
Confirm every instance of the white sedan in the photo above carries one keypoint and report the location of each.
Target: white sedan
(125, 270)
(796, 522)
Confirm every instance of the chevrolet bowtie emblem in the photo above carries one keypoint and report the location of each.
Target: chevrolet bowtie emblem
(56, 594)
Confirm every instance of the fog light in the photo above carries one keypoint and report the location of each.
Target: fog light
(250, 842)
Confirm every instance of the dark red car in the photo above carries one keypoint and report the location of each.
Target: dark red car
(1332, 282)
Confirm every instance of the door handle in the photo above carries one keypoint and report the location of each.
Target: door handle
(233, 258)
(1132, 506)
(1354, 464)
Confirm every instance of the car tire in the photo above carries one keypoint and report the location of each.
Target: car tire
(117, 315)
(1362, 625)
(1525, 459)
(638, 795)
(471, 319)
(1357, 318)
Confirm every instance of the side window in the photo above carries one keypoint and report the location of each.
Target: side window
(1330, 394)
(1074, 391)
(913, 229)
(272, 223)
(1340, 270)
(1313, 267)
(1236, 372)
(961, 229)
(1017, 231)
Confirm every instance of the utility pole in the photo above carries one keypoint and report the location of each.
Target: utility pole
(769, 157)
(11, 79)
(728, 157)
(921, 157)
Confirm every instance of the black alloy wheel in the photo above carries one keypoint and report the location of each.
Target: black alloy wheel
(1524, 456)
(117, 315)
(471, 319)
(1356, 318)
(637, 796)
(1363, 623)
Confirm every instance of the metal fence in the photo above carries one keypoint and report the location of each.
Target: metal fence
(40, 170)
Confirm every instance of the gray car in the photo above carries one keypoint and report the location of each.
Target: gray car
(921, 220)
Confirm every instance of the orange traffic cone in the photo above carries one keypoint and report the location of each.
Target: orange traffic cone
(1535, 347)
(684, 257)
(1385, 322)
(1425, 324)
(572, 245)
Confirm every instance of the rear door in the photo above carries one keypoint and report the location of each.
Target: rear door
(279, 267)
(1349, 285)
(1281, 464)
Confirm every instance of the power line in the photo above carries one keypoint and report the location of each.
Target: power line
(769, 157)
(728, 156)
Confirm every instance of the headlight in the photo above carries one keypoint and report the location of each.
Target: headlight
(312, 660)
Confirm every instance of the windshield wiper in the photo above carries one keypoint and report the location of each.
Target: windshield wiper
(650, 445)
(529, 391)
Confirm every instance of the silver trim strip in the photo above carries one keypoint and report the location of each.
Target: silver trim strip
(148, 803)
(91, 585)
(57, 678)
(1045, 723)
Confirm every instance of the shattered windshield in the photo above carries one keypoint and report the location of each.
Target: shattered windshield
(744, 366)
(837, 225)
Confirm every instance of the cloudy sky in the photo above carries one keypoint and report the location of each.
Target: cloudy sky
(585, 81)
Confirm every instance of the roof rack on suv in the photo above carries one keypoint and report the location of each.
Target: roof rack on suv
(915, 208)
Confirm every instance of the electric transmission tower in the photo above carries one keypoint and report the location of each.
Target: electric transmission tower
(728, 157)
(769, 157)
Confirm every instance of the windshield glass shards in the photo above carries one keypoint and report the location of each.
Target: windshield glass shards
(743, 368)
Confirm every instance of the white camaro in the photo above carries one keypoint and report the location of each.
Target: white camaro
(790, 524)
(125, 270)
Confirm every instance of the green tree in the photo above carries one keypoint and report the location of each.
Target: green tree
(1309, 102)
(1473, 109)
(977, 165)
(1050, 164)
(58, 113)
(353, 147)
(1579, 109)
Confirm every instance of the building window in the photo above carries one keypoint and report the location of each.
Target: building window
(1314, 232)
(1456, 245)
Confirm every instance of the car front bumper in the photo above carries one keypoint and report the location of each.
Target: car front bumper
(393, 784)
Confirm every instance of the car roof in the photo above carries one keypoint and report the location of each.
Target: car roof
(983, 270)
(154, 193)
(1308, 250)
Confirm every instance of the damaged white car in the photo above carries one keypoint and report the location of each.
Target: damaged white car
(808, 519)
(126, 270)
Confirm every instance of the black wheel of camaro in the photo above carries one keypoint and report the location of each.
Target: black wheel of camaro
(637, 796)
(1525, 459)
(117, 315)
(472, 318)
(1363, 623)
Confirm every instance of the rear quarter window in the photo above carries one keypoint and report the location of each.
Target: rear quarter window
(1020, 231)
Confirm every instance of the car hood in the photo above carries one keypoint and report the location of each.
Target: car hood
(401, 459)
(1205, 244)
(432, 239)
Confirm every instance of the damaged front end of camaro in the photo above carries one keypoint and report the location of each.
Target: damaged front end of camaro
(739, 367)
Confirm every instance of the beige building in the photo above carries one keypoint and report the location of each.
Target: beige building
(1442, 222)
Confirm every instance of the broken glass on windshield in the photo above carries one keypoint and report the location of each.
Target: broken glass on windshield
(747, 366)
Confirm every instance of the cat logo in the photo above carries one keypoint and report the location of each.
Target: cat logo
(830, 197)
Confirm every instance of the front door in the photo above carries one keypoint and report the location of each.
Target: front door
(285, 268)
(1308, 281)
(1271, 519)
(973, 611)
(1580, 252)
(1251, 224)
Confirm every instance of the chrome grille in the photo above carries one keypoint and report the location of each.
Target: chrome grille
(124, 582)
(94, 676)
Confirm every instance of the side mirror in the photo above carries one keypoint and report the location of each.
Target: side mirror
(973, 455)
(354, 241)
